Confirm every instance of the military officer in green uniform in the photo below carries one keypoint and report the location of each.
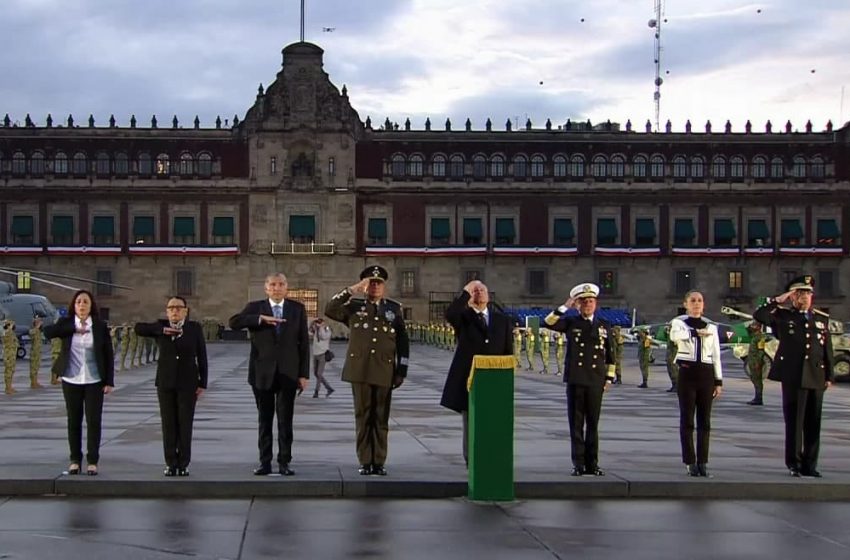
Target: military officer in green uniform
(125, 346)
(55, 350)
(529, 348)
(560, 351)
(35, 352)
(644, 349)
(517, 346)
(114, 334)
(617, 341)
(10, 354)
(756, 361)
(375, 362)
(670, 359)
(545, 339)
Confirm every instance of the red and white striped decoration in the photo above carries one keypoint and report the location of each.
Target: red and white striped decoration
(627, 251)
(706, 251)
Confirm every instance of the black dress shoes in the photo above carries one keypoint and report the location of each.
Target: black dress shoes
(692, 470)
(811, 473)
(170, 471)
(643, 386)
(263, 470)
(672, 389)
(594, 471)
(285, 470)
(756, 401)
(702, 468)
(379, 470)
(365, 470)
(795, 472)
(182, 471)
(577, 471)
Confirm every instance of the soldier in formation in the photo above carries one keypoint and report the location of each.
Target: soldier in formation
(55, 350)
(35, 352)
(560, 351)
(530, 344)
(670, 360)
(617, 341)
(545, 339)
(10, 354)
(756, 361)
(644, 349)
(125, 346)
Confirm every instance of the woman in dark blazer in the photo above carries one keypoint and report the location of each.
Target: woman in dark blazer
(86, 367)
(181, 377)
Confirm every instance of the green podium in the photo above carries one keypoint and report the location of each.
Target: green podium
(491, 428)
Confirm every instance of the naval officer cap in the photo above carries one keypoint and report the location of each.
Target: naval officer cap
(584, 290)
(374, 272)
(805, 282)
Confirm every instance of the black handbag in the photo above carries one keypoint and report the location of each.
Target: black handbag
(329, 355)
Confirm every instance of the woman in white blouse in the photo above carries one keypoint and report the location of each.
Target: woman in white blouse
(86, 367)
(700, 379)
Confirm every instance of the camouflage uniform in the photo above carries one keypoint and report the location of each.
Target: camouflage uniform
(55, 350)
(617, 352)
(529, 349)
(114, 335)
(672, 367)
(517, 346)
(545, 339)
(560, 351)
(35, 354)
(644, 349)
(134, 346)
(10, 354)
(756, 362)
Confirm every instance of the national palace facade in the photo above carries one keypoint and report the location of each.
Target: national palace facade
(302, 185)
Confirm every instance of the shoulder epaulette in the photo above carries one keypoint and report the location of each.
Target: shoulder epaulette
(819, 312)
(395, 302)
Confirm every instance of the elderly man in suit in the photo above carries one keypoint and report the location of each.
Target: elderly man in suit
(588, 372)
(480, 329)
(181, 378)
(375, 362)
(279, 366)
(803, 364)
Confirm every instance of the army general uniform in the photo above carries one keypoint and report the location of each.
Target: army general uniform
(378, 350)
(588, 367)
(803, 363)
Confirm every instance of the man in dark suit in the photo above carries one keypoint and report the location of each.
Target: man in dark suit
(181, 378)
(803, 364)
(279, 366)
(479, 329)
(375, 363)
(588, 372)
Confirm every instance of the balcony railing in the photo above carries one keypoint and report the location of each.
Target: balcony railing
(303, 248)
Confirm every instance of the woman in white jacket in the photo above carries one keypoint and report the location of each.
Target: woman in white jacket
(700, 379)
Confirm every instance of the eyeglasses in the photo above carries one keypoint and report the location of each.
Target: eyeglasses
(175, 307)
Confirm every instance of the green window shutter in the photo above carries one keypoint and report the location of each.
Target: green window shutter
(222, 226)
(302, 226)
(22, 225)
(564, 231)
(505, 227)
(184, 226)
(377, 228)
(645, 228)
(606, 231)
(792, 232)
(757, 229)
(440, 228)
(724, 231)
(62, 226)
(472, 227)
(828, 231)
(143, 226)
(103, 226)
(683, 231)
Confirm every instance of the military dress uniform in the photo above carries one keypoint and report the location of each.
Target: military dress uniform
(10, 354)
(803, 364)
(756, 361)
(545, 339)
(517, 346)
(529, 348)
(589, 366)
(644, 350)
(560, 352)
(378, 351)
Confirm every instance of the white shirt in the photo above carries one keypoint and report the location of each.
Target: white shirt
(686, 344)
(321, 339)
(82, 365)
(272, 303)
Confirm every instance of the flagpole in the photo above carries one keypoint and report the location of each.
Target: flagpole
(302, 21)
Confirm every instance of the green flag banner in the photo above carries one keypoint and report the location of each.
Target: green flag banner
(491, 428)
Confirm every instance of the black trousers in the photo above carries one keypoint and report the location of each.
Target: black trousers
(696, 394)
(282, 403)
(802, 411)
(584, 404)
(88, 400)
(177, 412)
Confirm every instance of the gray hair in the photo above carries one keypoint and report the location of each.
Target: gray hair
(276, 275)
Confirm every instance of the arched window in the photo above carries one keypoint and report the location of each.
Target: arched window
(204, 164)
(19, 163)
(79, 164)
(438, 166)
(777, 168)
(497, 166)
(479, 167)
(577, 166)
(456, 165)
(639, 166)
(799, 170)
(599, 167)
(737, 167)
(817, 168)
(559, 166)
(145, 167)
(121, 164)
(37, 164)
(697, 167)
(186, 164)
(537, 166)
(718, 167)
(680, 167)
(163, 165)
(520, 167)
(759, 167)
(617, 166)
(102, 164)
(656, 167)
(398, 166)
(414, 165)
(60, 163)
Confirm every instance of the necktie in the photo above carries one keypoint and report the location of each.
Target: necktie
(483, 319)
(277, 310)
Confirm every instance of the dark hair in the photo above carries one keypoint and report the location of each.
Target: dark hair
(72, 308)
(181, 298)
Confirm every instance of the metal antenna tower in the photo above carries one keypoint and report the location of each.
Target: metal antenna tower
(655, 24)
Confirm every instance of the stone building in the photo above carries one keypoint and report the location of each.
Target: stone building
(303, 185)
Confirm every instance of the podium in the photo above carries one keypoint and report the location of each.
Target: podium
(491, 428)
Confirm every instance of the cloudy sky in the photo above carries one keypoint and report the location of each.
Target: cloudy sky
(558, 59)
